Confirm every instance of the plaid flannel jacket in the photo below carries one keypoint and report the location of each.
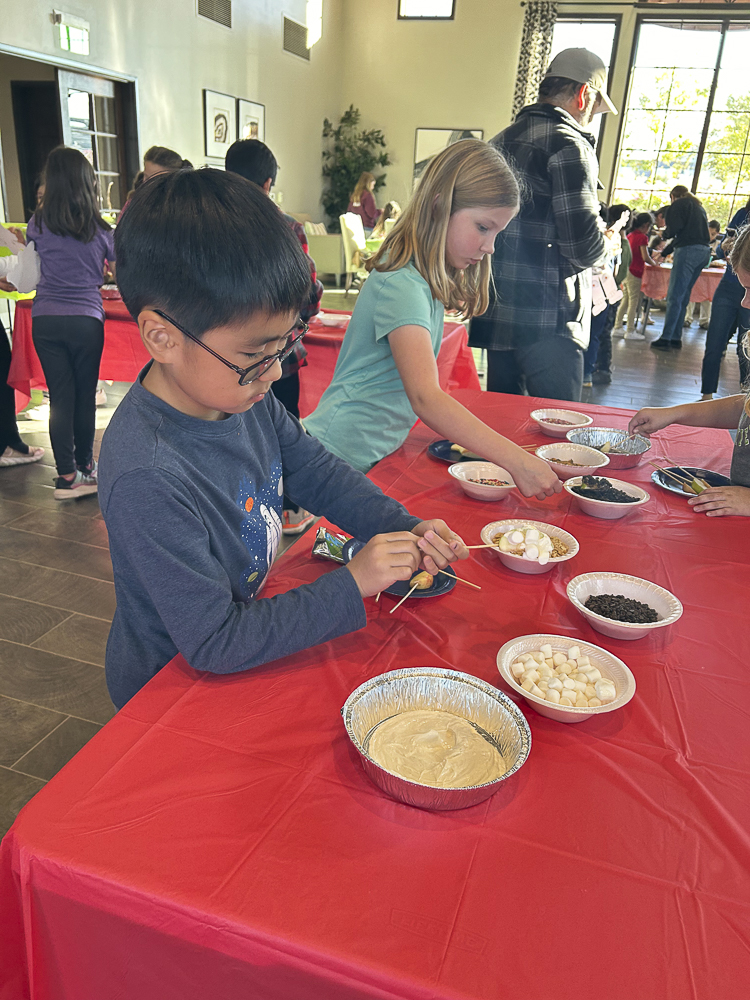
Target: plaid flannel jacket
(542, 262)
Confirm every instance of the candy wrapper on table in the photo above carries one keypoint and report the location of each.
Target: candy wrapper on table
(329, 545)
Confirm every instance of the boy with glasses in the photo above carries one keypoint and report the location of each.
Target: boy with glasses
(198, 455)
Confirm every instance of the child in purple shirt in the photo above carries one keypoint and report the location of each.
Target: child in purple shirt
(73, 243)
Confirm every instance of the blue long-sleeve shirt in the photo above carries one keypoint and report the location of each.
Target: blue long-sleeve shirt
(193, 510)
(730, 279)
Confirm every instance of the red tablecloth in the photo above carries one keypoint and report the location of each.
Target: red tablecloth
(655, 283)
(218, 838)
(124, 356)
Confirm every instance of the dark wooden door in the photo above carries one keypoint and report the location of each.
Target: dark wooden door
(36, 115)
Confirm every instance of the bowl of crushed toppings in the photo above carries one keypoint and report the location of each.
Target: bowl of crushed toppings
(609, 498)
(565, 679)
(482, 480)
(623, 606)
(529, 546)
(569, 460)
(557, 423)
(436, 738)
(623, 450)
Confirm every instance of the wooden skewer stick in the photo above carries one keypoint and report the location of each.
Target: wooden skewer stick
(685, 472)
(677, 479)
(403, 599)
(377, 597)
(460, 579)
(489, 545)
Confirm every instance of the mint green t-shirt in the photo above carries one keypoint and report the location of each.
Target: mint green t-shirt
(365, 414)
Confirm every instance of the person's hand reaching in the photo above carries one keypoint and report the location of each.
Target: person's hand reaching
(439, 545)
(722, 501)
(650, 419)
(6, 286)
(534, 477)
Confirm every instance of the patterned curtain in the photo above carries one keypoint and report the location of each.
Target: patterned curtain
(538, 25)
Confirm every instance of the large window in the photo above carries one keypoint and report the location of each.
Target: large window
(688, 117)
(596, 35)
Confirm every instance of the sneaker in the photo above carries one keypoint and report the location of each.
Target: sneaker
(661, 345)
(40, 412)
(602, 378)
(618, 331)
(12, 457)
(72, 489)
(101, 397)
(649, 322)
(676, 344)
(587, 383)
(703, 326)
(295, 522)
(634, 335)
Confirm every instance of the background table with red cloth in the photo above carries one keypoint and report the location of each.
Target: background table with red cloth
(655, 283)
(124, 355)
(219, 838)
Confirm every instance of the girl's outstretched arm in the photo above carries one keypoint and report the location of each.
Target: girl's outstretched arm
(724, 413)
(413, 353)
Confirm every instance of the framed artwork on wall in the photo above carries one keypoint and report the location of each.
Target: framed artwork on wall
(431, 141)
(219, 122)
(251, 120)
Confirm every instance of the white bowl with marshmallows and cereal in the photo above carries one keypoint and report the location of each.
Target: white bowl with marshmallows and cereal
(529, 546)
(567, 680)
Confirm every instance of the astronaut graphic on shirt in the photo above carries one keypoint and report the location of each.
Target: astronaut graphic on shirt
(261, 527)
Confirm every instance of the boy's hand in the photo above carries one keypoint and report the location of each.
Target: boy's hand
(439, 545)
(722, 501)
(650, 419)
(534, 477)
(384, 560)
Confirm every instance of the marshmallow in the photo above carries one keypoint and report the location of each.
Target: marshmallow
(553, 696)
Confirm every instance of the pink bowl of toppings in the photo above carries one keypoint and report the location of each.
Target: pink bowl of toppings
(557, 423)
(482, 480)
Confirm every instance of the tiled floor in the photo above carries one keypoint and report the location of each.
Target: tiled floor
(57, 597)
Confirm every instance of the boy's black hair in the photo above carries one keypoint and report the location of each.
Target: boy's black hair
(210, 250)
(614, 213)
(714, 224)
(253, 160)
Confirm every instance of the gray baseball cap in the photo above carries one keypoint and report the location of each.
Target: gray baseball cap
(583, 67)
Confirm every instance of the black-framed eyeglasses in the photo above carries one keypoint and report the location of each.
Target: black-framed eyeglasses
(294, 335)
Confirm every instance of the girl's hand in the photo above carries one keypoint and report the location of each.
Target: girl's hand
(384, 560)
(534, 477)
(439, 545)
(723, 501)
(18, 233)
(649, 420)
(6, 286)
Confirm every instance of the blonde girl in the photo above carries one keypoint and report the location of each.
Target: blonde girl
(437, 256)
(362, 201)
(729, 412)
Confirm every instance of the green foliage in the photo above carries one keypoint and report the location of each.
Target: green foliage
(350, 151)
(645, 178)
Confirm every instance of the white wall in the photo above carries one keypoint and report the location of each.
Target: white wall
(174, 55)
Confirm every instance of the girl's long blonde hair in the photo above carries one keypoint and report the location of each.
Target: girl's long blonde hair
(468, 174)
(360, 187)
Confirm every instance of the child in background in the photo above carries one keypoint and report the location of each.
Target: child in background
(714, 235)
(729, 412)
(392, 212)
(437, 256)
(362, 202)
(198, 455)
(253, 160)
(73, 243)
(631, 286)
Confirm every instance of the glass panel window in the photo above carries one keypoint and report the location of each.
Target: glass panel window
(84, 142)
(425, 8)
(105, 118)
(106, 154)
(79, 109)
(109, 191)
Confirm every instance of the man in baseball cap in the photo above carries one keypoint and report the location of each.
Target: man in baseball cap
(582, 66)
(537, 327)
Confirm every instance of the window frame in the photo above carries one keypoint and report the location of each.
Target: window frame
(426, 17)
(713, 14)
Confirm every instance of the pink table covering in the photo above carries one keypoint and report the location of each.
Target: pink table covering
(655, 282)
(218, 839)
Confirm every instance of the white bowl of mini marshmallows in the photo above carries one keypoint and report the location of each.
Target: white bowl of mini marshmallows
(567, 680)
(528, 561)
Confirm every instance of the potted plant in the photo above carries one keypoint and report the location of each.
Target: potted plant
(351, 150)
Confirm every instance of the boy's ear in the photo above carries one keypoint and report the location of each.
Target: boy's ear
(159, 337)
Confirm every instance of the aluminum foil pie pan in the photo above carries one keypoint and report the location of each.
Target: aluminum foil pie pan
(493, 714)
